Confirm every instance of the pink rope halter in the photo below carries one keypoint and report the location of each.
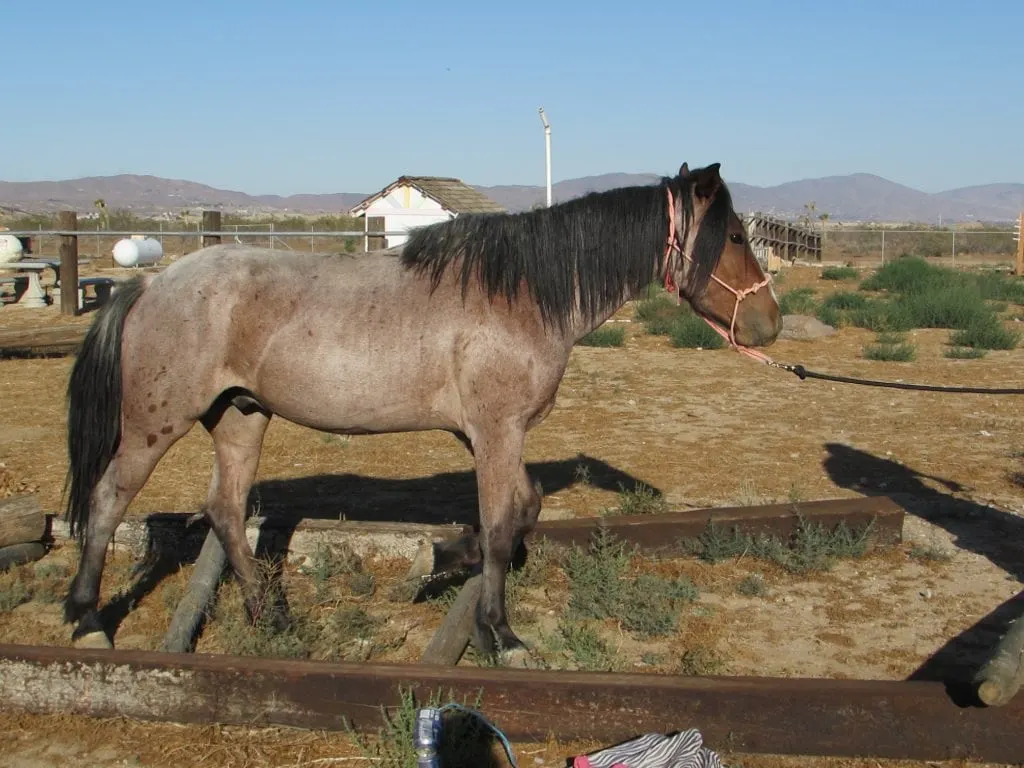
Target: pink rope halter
(672, 243)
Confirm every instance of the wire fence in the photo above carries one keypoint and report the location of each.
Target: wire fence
(864, 246)
(964, 247)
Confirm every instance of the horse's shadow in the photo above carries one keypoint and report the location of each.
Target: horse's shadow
(984, 530)
(448, 497)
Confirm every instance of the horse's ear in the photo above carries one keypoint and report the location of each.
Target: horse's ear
(708, 180)
(684, 171)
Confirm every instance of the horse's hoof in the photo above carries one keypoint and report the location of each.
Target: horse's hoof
(93, 640)
(422, 563)
(518, 658)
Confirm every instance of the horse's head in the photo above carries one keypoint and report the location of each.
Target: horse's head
(710, 262)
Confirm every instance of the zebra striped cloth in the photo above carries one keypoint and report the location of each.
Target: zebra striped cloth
(684, 750)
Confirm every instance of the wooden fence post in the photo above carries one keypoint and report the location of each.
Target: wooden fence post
(375, 242)
(211, 223)
(1020, 244)
(68, 220)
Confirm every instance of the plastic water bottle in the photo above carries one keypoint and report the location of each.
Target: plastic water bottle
(427, 736)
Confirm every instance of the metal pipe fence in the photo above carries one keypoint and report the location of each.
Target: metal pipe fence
(959, 247)
(99, 243)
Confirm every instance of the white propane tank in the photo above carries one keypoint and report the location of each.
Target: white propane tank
(10, 249)
(137, 252)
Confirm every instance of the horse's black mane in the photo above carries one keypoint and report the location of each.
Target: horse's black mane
(604, 243)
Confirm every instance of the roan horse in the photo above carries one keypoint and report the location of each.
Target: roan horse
(468, 328)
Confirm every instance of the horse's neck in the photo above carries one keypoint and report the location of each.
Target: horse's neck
(581, 326)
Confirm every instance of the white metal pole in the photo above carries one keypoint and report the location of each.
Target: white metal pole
(547, 152)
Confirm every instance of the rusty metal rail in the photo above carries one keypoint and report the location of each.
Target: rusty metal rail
(656, 532)
(905, 720)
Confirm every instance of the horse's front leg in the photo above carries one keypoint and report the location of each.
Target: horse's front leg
(503, 504)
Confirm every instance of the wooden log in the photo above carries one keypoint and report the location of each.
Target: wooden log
(201, 588)
(211, 223)
(452, 637)
(791, 716)
(1001, 676)
(21, 520)
(19, 554)
(68, 221)
(42, 342)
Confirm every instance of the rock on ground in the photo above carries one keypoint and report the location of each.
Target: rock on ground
(804, 328)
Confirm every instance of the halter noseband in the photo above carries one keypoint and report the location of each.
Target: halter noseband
(672, 243)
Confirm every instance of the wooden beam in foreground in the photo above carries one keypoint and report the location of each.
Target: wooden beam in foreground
(882, 719)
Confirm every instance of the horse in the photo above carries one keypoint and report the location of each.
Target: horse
(467, 328)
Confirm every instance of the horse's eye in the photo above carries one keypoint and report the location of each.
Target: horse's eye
(738, 239)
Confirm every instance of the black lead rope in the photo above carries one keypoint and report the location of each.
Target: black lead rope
(803, 373)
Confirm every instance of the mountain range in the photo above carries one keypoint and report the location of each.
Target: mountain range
(855, 197)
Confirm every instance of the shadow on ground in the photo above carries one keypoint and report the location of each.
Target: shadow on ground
(984, 530)
(451, 497)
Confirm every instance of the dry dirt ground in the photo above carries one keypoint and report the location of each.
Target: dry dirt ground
(705, 428)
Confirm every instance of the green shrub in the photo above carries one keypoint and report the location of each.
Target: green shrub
(799, 301)
(692, 332)
(839, 273)
(658, 314)
(605, 336)
(965, 353)
(901, 352)
(986, 333)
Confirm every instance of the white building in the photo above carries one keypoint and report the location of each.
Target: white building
(416, 201)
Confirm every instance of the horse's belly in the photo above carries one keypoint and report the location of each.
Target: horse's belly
(345, 390)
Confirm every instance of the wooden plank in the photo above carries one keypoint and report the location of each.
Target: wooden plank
(452, 637)
(854, 718)
(68, 220)
(21, 520)
(59, 340)
(660, 532)
(19, 554)
(199, 594)
(299, 535)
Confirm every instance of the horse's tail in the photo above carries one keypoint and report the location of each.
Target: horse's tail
(94, 403)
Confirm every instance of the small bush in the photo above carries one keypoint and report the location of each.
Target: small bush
(839, 273)
(908, 275)
(890, 351)
(605, 336)
(845, 300)
(948, 306)
(986, 333)
(641, 500)
(752, 586)
(700, 661)
(658, 314)
(811, 548)
(692, 332)
(647, 605)
(965, 353)
(587, 648)
(799, 301)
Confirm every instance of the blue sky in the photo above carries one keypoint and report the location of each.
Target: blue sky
(332, 96)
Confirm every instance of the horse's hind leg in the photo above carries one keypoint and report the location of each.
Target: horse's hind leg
(237, 432)
(137, 455)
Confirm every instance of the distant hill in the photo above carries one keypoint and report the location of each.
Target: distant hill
(856, 197)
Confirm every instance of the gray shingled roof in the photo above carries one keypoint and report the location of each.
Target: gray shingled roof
(449, 192)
